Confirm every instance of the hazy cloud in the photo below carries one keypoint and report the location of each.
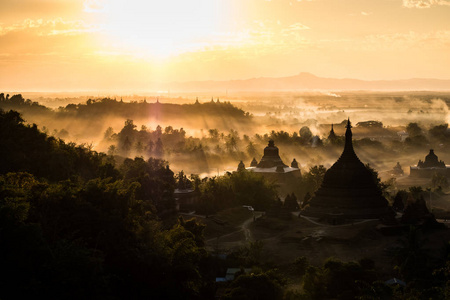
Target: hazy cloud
(91, 6)
(257, 39)
(46, 41)
(362, 13)
(424, 3)
(402, 41)
(49, 27)
(296, 27)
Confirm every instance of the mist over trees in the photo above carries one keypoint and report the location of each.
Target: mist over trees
(100, 230)
(80, 221)
(93, 229)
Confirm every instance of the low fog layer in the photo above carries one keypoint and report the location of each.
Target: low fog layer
(209, 136)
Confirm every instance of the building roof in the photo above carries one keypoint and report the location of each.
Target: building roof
(431, 161)
(271, 157)
(332, 135)
(395, 281)
(254, 163)
(294, 164)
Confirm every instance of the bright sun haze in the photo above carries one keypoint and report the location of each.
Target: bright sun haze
(160, 28)
(99, 45)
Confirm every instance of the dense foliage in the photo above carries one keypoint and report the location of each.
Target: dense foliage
(91, 231)
(238, 188)
(18, 102)
(74, 225)
(26, 149)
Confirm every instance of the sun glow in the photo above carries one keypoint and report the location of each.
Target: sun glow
(159, 28)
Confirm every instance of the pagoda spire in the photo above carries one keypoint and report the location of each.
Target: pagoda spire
(348, 155)
(348, 189)
(332, 135)
(348, 137)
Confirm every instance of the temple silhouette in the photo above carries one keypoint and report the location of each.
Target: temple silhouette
(273, 168)
(332, 136)
(429, 167)
(397, 170)
(348, 191)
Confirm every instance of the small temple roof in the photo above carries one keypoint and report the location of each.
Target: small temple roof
(241, 166)
(431, 161)
(294, 164)
(398, 169)
(271, 162)
(332, 135)
(271, 157)
(431, 156)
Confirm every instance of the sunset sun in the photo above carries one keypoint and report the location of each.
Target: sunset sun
(160, 29)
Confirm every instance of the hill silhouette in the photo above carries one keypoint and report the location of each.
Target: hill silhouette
(304, 82)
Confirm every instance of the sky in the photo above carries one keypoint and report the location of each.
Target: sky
(118, 45)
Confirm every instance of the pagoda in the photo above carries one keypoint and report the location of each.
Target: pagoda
(397, 170)
(348, 190)
(332, 136)
(271, 157)
(429, 167)
(274, 169)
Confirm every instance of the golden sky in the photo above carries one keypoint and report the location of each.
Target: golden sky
(64, 45)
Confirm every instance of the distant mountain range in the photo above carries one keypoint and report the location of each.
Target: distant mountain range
(308, 82)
